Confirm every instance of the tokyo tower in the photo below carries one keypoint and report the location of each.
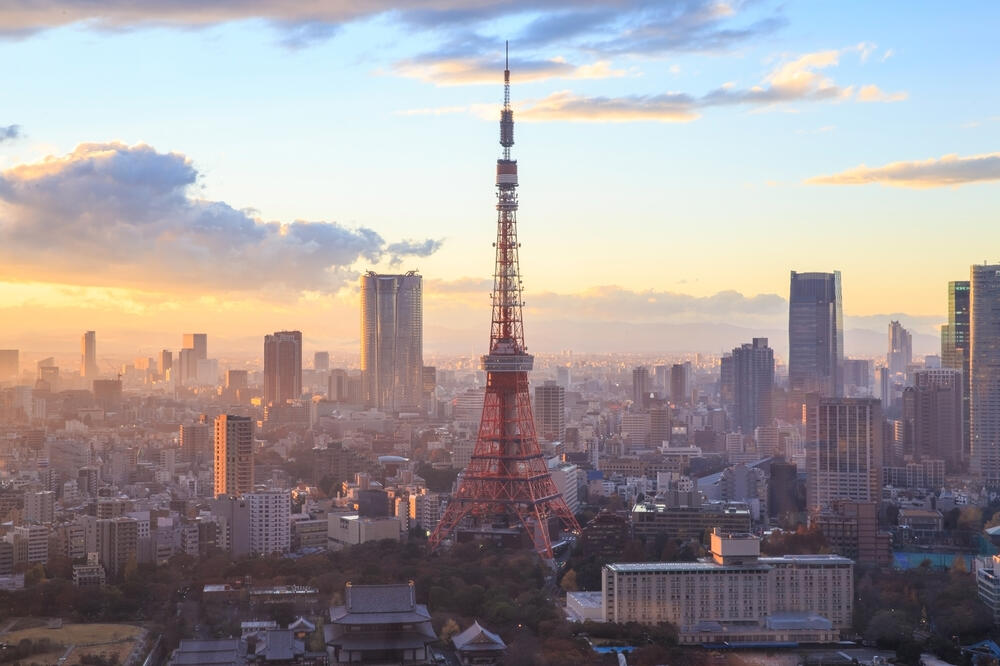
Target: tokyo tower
(507, 482)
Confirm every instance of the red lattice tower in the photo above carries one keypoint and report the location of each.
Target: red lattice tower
(507, 480)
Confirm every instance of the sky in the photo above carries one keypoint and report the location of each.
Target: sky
(232, 167)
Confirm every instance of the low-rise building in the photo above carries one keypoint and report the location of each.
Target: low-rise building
(737, 596)
(379, 624)
(351, 530)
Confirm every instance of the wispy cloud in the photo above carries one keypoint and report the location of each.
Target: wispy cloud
(112, 214)
(946, 171)
(798, 79)
(457, 71)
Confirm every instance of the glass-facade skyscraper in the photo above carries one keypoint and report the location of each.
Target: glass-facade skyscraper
(392, 340)
(753, 378)
(816, 333)
(955, 347)
(984, 365)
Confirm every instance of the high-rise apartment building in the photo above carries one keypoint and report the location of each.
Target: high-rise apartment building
(88, 355)
(392, 340)
(550, 411)
(10, 365)
(816, 333)
(198, 342)
(270, 522)
(984, 367)
(282, 367)
(932, 416)
(39, 507)
(196, 443)
(753, 377)
(844, 450)
(956, 348)
(233, 455)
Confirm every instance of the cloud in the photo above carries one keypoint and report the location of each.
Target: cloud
(112, 214)
(872, 93)
(9, 133)
(458, 71)
(796, 80)
(949, 170)
(619, 26)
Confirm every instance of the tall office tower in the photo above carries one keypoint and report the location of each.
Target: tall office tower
(166, 362)
(661, 380)
(550, 411)
(857, 375)
(641, 387)
(816, 333)
(88, 355)
(844, 450)
(199, 343)
(10, 365)
(507, 480)
(753, 375)
(984, 367)
(659, 426)
(392, 340)
(428, 376)
(955, 347)
(196, 443)
(337, 387)
(321, 361)
(236, 379)
(564, 376)
(680, 391)
(185, 371)
(900, 353)
(282, 367)
(932, 416)
(233, 455)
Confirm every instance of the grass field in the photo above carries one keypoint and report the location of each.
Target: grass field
(89, 639)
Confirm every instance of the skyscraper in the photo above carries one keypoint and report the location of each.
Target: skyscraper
(321, 361)
(932, 416)
(392, 340)
(10, 366)
(844, 450)
(166, 362)
(641, 386)
(680, 391)
(88, 355)
(753, 374)
(816, 333)
(282, 367)
(233, 455)
(550, 411)
(900, 353)
(955, 347)
(984, 366)
(199, 343)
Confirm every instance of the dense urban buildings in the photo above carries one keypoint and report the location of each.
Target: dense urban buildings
(282, 367)
(816, 333)
(392, 340)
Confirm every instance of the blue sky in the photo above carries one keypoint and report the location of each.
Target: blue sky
(355, 127)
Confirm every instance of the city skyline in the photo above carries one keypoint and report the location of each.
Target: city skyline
(783, 98)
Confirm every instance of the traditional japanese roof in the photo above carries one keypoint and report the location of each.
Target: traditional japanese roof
(477, 639)
(379, 604)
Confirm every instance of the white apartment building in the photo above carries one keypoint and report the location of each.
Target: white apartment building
(737, 596)
(270, 522)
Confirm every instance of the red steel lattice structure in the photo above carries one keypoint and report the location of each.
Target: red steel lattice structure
(507, 481)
